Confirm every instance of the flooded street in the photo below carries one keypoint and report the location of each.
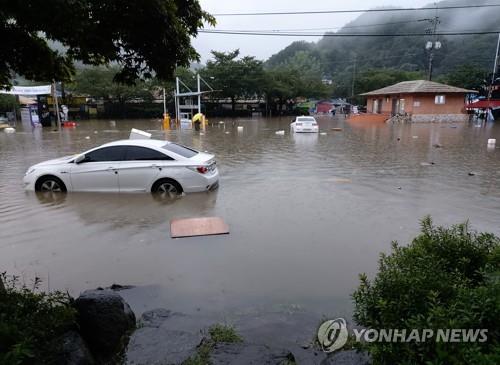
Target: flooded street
(307, 213)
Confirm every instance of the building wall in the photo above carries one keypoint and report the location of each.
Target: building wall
(418, 104)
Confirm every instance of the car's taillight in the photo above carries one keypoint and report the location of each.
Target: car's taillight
(202, 169)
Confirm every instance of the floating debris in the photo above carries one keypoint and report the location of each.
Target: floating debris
(427, 163)
(280, 133)
(240, 128)
(323, 133)
(9, 130)
(492, 141)
(337, 129)
(87, 137)
(437, 145)
(415, 137)
(472, 173)
(190, 227)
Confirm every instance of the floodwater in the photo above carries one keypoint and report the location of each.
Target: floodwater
(307, 213)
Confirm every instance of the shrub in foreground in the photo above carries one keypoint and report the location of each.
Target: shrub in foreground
(447, 278)
(31, 323)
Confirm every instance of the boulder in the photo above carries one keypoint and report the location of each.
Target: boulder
(105, 319)
(164, 337)
(249, 354)
(73, 350)
(348, 357)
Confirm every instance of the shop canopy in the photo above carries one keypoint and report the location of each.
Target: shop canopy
(28, 90)
(484, 104)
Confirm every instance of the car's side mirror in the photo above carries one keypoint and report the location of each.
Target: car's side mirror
(80, 159)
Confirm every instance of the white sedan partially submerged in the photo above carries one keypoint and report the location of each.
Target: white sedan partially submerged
(127, 166)
(304, 125)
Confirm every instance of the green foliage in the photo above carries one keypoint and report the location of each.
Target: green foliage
(234, 77)
(467, 76)
(7, 102)
(99, 82)
(217, 334)
(142, 37)
(337, 55)
(31, 322)
(446, 278)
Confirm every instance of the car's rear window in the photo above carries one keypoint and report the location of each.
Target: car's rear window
(306, 119)
(180, 150)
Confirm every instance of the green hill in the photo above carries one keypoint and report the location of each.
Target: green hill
(337, 55)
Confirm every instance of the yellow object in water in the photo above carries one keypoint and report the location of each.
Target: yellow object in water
(198, 116)
(166, 121)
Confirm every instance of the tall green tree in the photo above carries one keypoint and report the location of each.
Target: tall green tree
(467, 76)
(146, 38)
(234, 77)
(98, 82)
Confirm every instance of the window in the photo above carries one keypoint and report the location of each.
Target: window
(180, 150)
(439, 99)
(136, 153)
(113, 153)
(416, 103)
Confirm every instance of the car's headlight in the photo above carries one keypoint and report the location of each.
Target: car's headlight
(30, 171)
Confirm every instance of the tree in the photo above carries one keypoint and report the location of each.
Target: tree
(235, 78)
(98, 82)
(466, 76)
(145, 38)
(446, 278)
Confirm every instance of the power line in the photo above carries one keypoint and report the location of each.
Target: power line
(358, 10)
(266, 33)
(321, 28)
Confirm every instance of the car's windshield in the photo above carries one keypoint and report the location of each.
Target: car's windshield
(180, 150)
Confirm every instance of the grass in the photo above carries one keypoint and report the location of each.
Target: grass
(216, 334)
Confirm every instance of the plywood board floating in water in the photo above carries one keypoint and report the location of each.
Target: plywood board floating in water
(190, 227)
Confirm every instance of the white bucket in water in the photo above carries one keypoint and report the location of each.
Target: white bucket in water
(492, 141)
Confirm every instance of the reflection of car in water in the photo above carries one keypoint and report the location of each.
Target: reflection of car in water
(304, 125)
(114, 211)
(125, 166)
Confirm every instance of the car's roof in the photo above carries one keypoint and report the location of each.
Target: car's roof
(138, 142)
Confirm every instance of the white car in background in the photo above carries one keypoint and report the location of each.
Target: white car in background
(145, 165)
(304, 125)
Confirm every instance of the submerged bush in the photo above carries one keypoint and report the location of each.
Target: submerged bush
(447, 278)
(31, 323)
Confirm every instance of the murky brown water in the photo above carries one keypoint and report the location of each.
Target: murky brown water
(307, 213)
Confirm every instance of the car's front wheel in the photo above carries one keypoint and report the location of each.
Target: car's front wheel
(167, 187)
(50, 183)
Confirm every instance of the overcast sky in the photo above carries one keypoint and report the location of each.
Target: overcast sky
(264, 46)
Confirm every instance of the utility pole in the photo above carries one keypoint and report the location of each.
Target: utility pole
(353, 77)
(495, 65)
(56, 105)
(432, 45)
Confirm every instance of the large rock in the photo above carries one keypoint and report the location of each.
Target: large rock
(105, 319)
(165, 338)
(249, 354)
(349, 357)
(73, 350)
(294, 331)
